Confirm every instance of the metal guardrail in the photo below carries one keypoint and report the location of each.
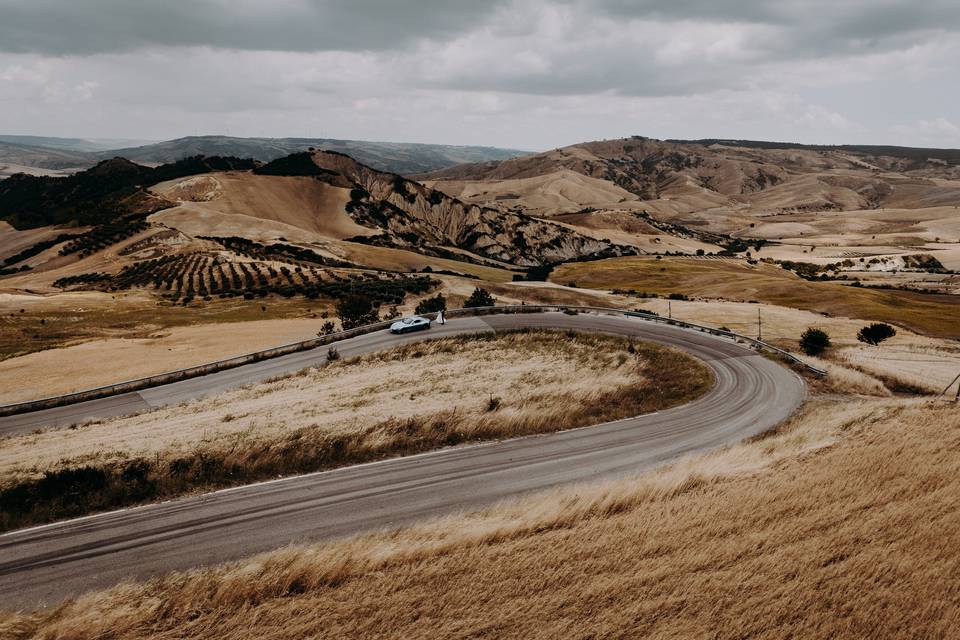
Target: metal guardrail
(313, 343)
(756, 344)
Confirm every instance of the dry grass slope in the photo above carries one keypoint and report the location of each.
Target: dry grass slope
(845, 523)
(466, 389)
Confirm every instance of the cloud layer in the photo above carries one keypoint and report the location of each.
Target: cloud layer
(520, 73)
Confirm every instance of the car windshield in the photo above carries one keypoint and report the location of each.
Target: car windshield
(409, 320)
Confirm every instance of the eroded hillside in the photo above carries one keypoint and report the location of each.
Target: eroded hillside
(415, 216)
(693, 178)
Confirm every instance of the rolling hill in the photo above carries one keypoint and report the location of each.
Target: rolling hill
(708, 175)
(328, 196)
(61, 156)
(121, 225)
(81, 145)
(856, 200)
(48, 158)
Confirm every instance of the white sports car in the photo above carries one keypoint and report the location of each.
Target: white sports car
(414, 323)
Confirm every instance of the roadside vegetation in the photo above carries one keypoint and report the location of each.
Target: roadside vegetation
(814, 341)
(466, 389)
(842, 523)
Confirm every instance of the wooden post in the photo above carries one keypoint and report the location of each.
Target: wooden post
(947, 388)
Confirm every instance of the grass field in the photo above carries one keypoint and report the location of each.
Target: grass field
(905, 361)
(467, 389)
(33, 323)
(934, 315)
(843, 524)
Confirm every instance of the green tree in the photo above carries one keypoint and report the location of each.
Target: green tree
(432, 305)
(356, 310)
(479, 298)
(876, 333)
(814, 341)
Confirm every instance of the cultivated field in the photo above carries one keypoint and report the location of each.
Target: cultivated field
(61, 343)
(404, 400)
(844, 523)
(934, 315)
(905, 361)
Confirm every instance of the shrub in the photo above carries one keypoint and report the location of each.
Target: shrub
(432, 305)
(814, 341)
(538, 273)
(479, 298)
(355, 310)
(876, 333)
(327, 328)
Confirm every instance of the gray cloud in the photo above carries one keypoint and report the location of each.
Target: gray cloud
(635, 47)
(84, 27)
(518, 73)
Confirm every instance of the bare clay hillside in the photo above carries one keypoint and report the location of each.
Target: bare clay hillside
(416, 216)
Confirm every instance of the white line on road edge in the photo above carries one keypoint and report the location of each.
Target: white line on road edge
(360, 465)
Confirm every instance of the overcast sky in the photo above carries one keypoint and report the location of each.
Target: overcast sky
(528, 74)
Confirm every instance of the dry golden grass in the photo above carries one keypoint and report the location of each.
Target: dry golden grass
(143, 352)
(239, 203)
(30, 323)
(463, 389)
(843, 523)
(405, 260)
(845, 380)
(528, 373)
(933, 315)
(926, 365)
(906, 361)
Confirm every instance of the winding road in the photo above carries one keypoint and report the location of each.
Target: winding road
(43, 565)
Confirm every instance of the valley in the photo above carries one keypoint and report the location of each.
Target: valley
(126, 270)
(503, 321)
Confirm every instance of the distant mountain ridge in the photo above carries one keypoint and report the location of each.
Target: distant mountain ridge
(74, 144)
(396, 157)
(919, 154)
(714, 173)
(59, 154)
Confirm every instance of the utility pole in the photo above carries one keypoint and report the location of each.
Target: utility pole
(947, 388)
(759, 326)
(669, 310)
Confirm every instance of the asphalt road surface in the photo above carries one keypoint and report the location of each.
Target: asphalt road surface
(43, 565)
